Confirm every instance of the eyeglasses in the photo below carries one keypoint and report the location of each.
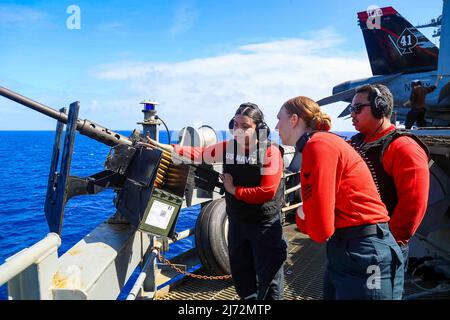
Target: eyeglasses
(358, 107)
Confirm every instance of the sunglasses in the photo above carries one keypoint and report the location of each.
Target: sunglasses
(358, 107)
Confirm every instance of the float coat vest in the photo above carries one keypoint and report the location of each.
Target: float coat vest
(246, 172)
(372, 153)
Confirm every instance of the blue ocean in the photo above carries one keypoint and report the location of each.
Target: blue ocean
(25, 162)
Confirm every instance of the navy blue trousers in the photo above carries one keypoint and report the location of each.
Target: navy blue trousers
(257, 255)
(364, 268)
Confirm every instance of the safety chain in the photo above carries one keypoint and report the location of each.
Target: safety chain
(188, 274)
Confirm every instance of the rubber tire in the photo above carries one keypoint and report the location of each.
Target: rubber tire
(211, 237)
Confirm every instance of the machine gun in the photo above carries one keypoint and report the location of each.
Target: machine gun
(149, 183)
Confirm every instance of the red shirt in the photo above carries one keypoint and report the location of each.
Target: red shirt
(338, 190)
(270, 174)
(407, 163)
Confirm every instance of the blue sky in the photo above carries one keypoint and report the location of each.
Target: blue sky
(199, 59)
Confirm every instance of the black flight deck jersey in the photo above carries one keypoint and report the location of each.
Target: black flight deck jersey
(246, 172)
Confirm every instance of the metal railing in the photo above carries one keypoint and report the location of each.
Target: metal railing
(28, 256)
(148, 271)
(291, 206)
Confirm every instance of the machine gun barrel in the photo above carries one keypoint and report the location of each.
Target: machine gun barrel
(85, 127)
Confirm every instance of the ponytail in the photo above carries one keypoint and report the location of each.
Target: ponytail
(309, 111)
(321, 121)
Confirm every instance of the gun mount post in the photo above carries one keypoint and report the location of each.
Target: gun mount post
(58, 182)
(53, 174)
(151, 122)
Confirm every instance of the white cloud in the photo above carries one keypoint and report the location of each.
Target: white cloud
(17, 16)
(123, 71)
(210, 89)
(184, 19)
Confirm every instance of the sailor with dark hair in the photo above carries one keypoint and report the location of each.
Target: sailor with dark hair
(417, 104)
(252, 177)
(255, 241)
(398, 161)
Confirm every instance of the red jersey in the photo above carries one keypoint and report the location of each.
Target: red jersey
(270, 175)
(338, 190)
(407, 163)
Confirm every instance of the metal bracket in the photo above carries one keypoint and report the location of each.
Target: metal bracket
(57, 183)
(165, 244)
(61, 186)
(93, 184)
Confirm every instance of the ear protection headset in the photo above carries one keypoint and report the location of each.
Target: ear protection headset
(378, 105)
(260, 126)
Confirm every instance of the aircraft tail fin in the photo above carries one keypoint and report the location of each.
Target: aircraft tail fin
(394, 45)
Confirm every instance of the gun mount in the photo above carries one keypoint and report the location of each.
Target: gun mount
(150, 186)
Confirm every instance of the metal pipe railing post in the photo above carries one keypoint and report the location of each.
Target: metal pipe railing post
(149, 266)
(25, 258)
